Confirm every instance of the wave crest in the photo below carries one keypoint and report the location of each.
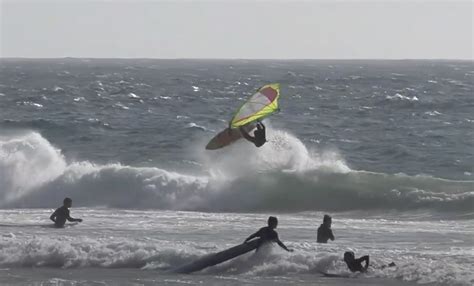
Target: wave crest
(282, 176)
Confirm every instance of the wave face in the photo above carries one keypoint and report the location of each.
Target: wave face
(282, 176)
(383, 116)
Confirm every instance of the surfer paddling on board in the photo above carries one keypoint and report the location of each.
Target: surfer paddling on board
(61, 214)
(268, 234)
(258, 138)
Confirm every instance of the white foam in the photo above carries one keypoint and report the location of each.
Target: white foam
(121, 105)
(195, 125)
(133, 95)
(282, 152)
(399, 96)
(77, 99)
(433, 113)
(163, 240)
(27, 161)
(31, 103)
(33, 173)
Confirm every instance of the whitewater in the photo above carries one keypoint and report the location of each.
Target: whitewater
(385, 147)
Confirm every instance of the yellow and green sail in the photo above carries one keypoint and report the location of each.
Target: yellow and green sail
(262, 104)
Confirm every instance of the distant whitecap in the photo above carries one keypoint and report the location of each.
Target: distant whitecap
(433, 113)
(194, 125)
(30, 103)
(133, 95)
(120, 105)
(399, 96)
(78, 99)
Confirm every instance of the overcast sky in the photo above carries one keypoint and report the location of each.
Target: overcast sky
(237, 29)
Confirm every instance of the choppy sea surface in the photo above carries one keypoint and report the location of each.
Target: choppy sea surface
(385, 147)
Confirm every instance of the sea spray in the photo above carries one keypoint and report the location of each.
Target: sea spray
(299, 182)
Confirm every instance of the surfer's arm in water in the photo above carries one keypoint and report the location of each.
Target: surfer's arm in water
(282, 245)
(69, 218)
(278, 241)
(391, 264)
(74, 219)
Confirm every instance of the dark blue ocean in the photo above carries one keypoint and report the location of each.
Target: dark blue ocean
(377, 134)
(384, 146)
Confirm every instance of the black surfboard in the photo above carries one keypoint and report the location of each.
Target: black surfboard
(336, 275)
(216, 258)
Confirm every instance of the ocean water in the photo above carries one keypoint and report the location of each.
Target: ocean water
(385, 147)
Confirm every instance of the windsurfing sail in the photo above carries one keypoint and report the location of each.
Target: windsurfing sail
(262, 104)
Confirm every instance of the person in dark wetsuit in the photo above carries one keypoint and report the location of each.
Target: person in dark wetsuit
(268, 234)
(61, 214)
(259, 135)
(325, 231)
(354, 264)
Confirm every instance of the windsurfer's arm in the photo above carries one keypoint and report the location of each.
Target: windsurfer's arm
(246, 135)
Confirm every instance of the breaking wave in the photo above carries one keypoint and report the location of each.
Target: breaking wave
(164, 256)
(282, 176)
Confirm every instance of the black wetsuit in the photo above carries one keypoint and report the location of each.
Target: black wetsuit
(60, 216)
(259, 137)
(356, 264)
(267, 234)
(324, 234)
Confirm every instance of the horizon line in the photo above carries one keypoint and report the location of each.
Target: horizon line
(247, 59)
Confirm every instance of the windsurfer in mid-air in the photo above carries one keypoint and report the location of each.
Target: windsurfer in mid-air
(258, 138)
